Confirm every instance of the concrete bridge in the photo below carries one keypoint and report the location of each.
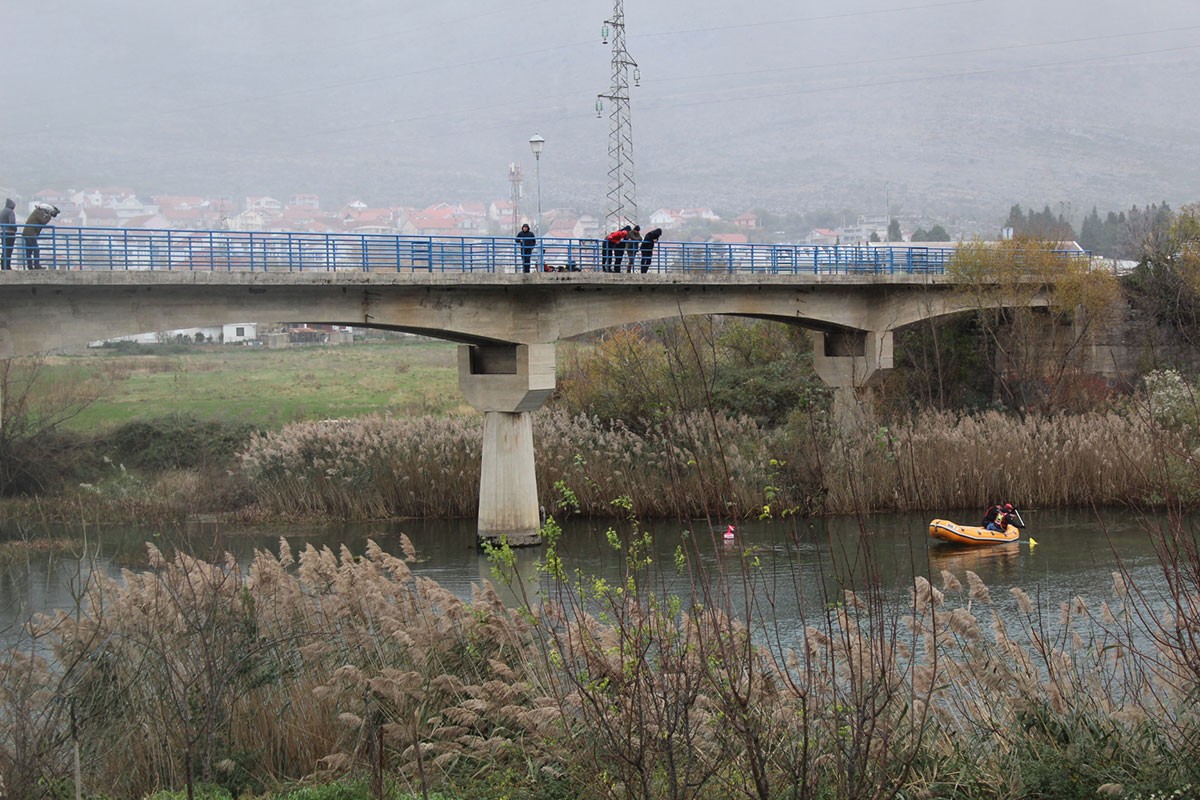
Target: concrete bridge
(507, 322)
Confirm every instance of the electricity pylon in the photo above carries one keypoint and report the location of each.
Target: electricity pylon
(622, 191)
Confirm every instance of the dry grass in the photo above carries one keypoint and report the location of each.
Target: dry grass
(942, 460)
(384, 467)
(323, 663)
(695, 465)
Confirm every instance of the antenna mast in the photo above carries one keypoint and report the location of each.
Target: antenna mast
(622, 207)
(515, 192)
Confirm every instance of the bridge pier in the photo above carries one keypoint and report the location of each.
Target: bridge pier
(848, 362)
(507, 382)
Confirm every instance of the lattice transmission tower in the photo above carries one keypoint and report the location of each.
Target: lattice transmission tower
(622, 191)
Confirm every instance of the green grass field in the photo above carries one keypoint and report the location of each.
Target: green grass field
(269, 387)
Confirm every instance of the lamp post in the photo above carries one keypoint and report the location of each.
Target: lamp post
(536, 143)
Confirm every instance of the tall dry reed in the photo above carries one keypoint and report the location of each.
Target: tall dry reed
(326, 663)
(943, 460)
(699, 465)
(429, 467)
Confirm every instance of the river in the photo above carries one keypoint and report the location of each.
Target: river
(799, 563)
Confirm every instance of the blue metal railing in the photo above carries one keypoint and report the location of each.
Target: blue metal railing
(121, 249)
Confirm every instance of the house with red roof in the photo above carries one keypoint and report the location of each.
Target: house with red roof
(267, 204)
(199, 217)
(311, 202)
(53, 197)
(146, 222)
(500, 212)
(98, 217)
(729, 238)
(822, 236)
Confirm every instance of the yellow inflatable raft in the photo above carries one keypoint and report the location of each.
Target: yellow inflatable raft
(948, 531)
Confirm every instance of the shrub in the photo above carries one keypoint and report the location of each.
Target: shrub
(177, 442)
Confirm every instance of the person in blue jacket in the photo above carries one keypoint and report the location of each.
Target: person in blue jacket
(528, 241)
(8, 232)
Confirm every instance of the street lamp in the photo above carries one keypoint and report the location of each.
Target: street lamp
(536, 143)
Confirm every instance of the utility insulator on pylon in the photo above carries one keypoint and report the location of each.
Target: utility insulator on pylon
(516, 191)
(622, 205)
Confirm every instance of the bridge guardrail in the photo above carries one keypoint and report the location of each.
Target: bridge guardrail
(122, 249)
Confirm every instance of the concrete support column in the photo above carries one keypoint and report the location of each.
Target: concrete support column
(507, 383)
(848, 362)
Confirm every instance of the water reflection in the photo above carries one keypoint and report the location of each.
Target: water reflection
(799, 565)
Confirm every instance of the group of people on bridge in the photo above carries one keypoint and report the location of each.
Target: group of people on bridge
(38, 218)
(629, 240)
(616, 246)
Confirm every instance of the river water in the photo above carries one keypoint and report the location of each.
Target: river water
(799, 564)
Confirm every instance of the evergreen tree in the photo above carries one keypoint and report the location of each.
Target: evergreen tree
(894, 234)
(1016, 220)
(1114, 235)
(1091, 234)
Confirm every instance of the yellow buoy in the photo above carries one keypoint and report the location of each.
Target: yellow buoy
(1032, 542)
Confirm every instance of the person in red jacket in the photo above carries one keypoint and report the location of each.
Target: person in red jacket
(614, 249)
(1004, 517)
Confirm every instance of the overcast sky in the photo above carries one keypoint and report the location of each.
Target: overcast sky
(785, 104)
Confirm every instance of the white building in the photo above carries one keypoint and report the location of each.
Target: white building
(233, 333)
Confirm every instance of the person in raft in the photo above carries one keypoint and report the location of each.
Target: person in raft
(1002, 519)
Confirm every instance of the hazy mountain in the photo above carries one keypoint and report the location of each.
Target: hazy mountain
(944, 106)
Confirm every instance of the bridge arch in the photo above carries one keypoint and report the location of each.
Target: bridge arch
(507, 326)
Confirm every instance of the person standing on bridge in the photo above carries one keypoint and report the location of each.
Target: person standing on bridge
(527, 240)
(39, 218)
(614, 247)
(632, 242)
(648, 247)
(8, 231)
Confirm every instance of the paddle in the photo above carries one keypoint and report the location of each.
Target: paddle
(1021, 520)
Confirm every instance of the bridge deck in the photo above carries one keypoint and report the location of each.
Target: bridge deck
(120, 249)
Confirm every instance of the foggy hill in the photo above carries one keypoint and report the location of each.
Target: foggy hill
(962, 106)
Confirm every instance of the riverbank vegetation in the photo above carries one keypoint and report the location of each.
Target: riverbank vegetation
(230, 680)
(670, 462)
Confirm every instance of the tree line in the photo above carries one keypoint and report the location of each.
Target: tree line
(1134, 235)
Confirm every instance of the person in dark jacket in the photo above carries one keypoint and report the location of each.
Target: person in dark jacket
(1003, 518)
(39, 218)
(528, 240)
(648, 247)
(8, 232)
(632, 242)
